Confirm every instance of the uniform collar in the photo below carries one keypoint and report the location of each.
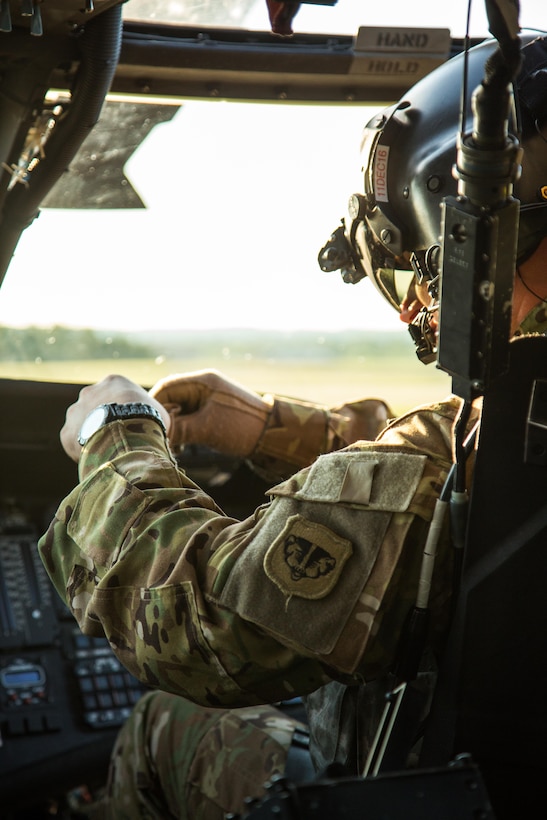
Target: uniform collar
(535, 322)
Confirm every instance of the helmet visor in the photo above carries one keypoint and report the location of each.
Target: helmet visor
(389, 274)
(394, 284)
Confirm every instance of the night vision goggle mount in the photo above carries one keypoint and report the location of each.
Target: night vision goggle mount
(338, 254)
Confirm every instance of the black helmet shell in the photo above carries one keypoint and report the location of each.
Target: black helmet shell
(409, 152)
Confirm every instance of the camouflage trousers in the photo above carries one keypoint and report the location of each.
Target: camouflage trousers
(173, 759)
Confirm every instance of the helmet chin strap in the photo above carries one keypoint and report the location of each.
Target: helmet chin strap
(528, 288)
(424, 335)
(423, 331)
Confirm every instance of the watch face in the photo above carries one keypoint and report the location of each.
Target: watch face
(92, 423)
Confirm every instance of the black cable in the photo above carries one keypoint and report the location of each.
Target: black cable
(528, 288)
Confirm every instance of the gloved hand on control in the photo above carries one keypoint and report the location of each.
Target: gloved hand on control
(207, 408)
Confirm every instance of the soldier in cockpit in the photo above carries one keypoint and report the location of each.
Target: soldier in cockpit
(308, 596)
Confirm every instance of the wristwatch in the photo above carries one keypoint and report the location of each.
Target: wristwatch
(106, 413)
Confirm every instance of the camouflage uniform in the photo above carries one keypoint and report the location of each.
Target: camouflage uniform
(143, 555)
(296, 432)
(173, 759)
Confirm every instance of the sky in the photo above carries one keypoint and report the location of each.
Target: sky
(239, 198)
(239, 201)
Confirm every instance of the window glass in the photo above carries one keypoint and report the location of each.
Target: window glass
(238, 200)
(343, 18)
(187, 245)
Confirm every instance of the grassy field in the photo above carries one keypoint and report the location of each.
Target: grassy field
(402, 381)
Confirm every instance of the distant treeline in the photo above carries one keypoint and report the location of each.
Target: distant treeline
(63, 344)
(275, 344)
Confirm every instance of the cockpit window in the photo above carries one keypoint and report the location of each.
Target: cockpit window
(186, 226)
(345, 17)
(195, 245)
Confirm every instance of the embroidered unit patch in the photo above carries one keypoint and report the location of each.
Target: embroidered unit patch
(306, 559)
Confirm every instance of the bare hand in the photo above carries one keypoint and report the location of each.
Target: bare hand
(111, 389)
(208, 408)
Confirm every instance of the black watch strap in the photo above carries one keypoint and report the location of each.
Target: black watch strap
(132, 410)
(106, 413)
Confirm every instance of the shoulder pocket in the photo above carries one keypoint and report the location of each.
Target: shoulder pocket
(325, 551)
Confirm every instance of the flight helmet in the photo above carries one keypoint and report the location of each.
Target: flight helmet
(409, 151)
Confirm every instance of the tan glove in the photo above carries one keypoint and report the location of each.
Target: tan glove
(207, 408)
(364, 419)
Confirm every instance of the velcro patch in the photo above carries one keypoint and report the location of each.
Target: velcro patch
(379, 480)
(306, 559)
(357, 483)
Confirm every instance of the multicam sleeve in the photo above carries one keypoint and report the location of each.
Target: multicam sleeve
(136, 550)
(313, 586)
(297, 432)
